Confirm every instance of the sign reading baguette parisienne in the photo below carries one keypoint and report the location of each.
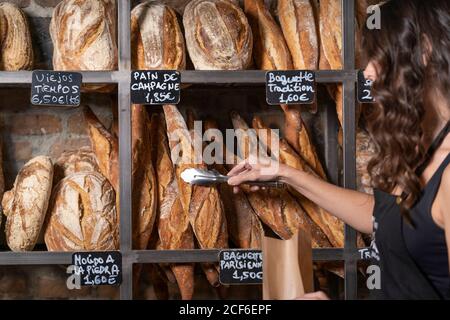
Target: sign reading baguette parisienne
(155, 87)
(290, 87)
(97, 268)
(55, 88)
(364, 89)
(241, 266)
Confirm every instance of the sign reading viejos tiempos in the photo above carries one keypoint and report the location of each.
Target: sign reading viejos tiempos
(241, 266)
(55, 88)
(155, 87)
(290, 87)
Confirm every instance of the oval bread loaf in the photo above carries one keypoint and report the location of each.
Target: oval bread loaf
(83, 215)
(218, 36)
(16, 50)
(156, 38)
(84, 35)
(26, 204)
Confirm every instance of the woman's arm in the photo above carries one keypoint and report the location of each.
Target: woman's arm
(354, 208)
(445, 184)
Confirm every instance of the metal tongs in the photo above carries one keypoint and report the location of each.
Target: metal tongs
(203, 177)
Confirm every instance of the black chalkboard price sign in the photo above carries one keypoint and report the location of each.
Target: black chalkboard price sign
(241, 267)
(55, 88)
(97, 268)
(290, 87)
(364, 89)
(155, 87)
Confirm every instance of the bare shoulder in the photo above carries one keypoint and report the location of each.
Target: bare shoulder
(445, 182)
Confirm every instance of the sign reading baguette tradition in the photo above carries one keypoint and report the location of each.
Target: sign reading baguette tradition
(241, 267)
(96, 268)
(290, 87)
(155, 87)
(55, 88)
(364, 89)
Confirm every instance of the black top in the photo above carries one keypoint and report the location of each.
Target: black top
(425, 240)
(411, 261)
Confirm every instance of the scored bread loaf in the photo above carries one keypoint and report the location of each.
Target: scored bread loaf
(218, 36)
(244, 228)
(174, 229)
(275, 207)
(105, 147)
(299, 29)
(26, 204)
(81, 160)
(16, 50)
(82, 215)
(84, 35)
(144, 188)
(156, 38)
(270, 50)
(202, 204)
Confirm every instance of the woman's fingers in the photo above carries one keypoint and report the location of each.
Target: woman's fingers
(248, 175)
(239, 168)
(319, 295)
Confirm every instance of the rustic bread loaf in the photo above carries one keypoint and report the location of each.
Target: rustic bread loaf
(26, 204)
(143, 176)
(299, 28)
(275, 207)
(174, 229)
(81, 160)
(82, 215)
(16, 49)
(84, 35)
(156, 38)
(218, 36)
(105, 147)
(202, 204)
(270, 50)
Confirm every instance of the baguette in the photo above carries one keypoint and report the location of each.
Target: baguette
(270, 50)
(245, 229)
(82, 215)
(26, 204)
(298, 137)
(331, 226)
(174, 229)
(16, 49)
(218, 36)
(156, 38)
(275, 207)
(202, 204)
(299, 28)
(143, 176)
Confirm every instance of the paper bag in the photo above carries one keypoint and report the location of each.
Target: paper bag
(287, 267)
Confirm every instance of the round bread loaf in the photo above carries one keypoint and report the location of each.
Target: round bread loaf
(26, 204)
(83, 215)
(156, 38)
(218, 36)
(16, 50)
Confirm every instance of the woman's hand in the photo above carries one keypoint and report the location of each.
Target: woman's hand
(319, 295)
(254, 170)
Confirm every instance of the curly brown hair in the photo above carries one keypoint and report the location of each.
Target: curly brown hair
(410, 30)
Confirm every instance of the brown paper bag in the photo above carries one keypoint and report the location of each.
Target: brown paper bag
(287, 267)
